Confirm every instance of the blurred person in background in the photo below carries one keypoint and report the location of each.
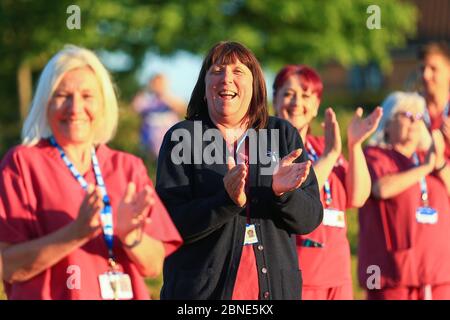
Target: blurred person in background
(78, 220)
(324, 254)
(238, 223)
(435, 67)
(159, 111)
(405, 223)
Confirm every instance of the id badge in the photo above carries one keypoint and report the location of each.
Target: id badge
(333, 218)
(426, 215)
(250, 234)
(115, 286)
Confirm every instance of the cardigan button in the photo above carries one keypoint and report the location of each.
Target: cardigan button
(266, 295)
(264, 270)
(260, 247)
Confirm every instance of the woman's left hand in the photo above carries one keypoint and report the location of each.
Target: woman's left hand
(438, 148)
(332, 132)
(289, 176)
(133, 210)
(445, 129)
(360, 129)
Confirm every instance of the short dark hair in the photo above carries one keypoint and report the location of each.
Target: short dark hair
(226, 52)
(440, 48)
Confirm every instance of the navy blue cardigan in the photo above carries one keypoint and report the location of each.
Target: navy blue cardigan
(212, 226)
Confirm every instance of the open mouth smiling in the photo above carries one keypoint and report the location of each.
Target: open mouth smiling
(227, 94)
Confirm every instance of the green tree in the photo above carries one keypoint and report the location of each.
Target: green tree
(288, 31)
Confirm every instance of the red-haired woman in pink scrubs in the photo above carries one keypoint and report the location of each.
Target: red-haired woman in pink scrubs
(324, 254)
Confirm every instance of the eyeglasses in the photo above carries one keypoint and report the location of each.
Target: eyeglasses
(411, 116)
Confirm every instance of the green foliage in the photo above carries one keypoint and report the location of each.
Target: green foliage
(288, 31)
(279, 32)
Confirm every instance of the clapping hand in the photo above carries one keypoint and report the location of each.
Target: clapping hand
(438, 148)
(360, 129)
(333, 143)
(234, 182)
(445, 128)
(88, 223)
(289, 175)
(133, 210)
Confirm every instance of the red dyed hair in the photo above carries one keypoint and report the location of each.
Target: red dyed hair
(308, 77)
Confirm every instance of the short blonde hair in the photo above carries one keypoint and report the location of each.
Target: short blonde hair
(395, 102)
(36, 126)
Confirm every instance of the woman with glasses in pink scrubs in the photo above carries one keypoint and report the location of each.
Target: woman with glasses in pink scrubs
(404, 252)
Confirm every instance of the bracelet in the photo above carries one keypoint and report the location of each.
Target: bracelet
(442, 167)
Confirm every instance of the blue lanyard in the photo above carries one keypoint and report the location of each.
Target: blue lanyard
(423, 183)
(314, 157)
(238, 145)
(106, 213)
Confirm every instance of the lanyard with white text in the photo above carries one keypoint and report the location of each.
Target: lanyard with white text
(314, 157)
(106, 213)
(247, 163)
(423, 183)
(238, 145)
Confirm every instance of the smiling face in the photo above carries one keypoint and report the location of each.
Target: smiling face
(404, 127)
(229, 89)
(436, 73)
(75, 107)
(296, 103)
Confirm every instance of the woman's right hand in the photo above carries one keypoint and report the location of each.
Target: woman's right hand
(333, 144)
(445, 129)
(430, 160)
(88, 223)
(234, 182)
(439, 148)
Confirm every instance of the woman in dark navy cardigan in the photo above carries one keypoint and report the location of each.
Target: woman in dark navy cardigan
(237, 186)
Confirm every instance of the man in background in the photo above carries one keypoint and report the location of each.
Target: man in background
(435, 70)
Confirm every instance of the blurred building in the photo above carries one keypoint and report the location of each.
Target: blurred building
(433, 25)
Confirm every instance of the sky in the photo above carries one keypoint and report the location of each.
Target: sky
(181, 70)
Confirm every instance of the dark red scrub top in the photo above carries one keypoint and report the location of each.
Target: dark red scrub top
(39, 195)
(407, 253)
(328, 266)
(246, 286)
